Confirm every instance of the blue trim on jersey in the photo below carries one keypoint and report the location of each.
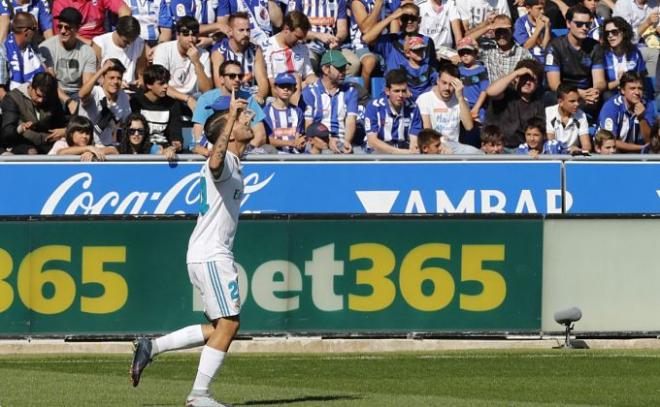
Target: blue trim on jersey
(379, 119)
(615, 117)
(549, 147)
(217, 287)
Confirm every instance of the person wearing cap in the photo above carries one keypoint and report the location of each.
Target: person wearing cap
(93, 14)
(501, 58)
(24, 61)
(217, 99)
(286, 52)
(396, 48)
(237, 47)
(333, 102)
(388, 119)
(284, 122)
(475, 81)
(318, 139)
(68, 58)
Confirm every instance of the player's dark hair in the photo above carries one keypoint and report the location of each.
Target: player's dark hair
(214, 125)
(129, 27)
(396, 77)
(155, 73)
(79, 124)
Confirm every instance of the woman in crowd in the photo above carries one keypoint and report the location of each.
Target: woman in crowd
(78, 140)
(621, 55)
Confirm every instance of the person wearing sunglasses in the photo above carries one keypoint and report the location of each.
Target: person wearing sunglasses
(577, 60)
(69, 59)
(189, 65)
(93, 14)
(24, 60)
(134, 135)
(40, 9)
(479, 15)
(621, 54)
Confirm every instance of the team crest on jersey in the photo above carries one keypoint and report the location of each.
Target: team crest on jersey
(180, 10)
(609, 124)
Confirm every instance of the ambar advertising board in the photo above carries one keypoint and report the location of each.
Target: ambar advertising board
(322, 275)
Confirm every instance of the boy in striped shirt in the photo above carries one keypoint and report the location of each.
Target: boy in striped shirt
(284, 122)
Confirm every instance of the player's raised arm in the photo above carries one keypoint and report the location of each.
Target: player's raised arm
(217, 157)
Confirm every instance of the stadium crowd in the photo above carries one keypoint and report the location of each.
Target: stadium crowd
(99, 77)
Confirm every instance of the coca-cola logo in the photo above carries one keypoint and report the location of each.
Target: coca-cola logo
(78, 195)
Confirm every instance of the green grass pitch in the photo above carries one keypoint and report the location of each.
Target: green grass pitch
(452, 378)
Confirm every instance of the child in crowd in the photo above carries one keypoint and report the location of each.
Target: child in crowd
(536, 141)
(429, 142)
(284, 122)
(653, 147)
(475, 82)
(492, 140)
(532, 31)
(318, 139)
(605, 142)
(78, 140)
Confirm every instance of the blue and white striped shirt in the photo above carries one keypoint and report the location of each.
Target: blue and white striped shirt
(40, 9)
(552, 147)
(284, 124)
(390, 126)
(246, 59)
(323, 16)
(23, 64)
(331, 110)
(615, 65)
(260, 26)
(148, 13)
(204, 11)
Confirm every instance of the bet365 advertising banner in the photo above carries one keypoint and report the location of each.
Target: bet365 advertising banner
(121, 188)
(358, 275)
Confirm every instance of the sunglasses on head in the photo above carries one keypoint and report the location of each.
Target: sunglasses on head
(187, 33)
(233, 75)
(581, 24)
(613, 32)
(132, 130)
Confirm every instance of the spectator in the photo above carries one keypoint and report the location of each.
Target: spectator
(32, 119)
(231, 73)
(537, 143)
(566, 122)
(605, 142)
(68, 58)
(4, 74)
(106, 105)
(479, 15)
(444, 108)
(155, 22)
(79, 140)
(500, 59)
(237, 47)
(515, 99)
(318, 139)
(364, 15)
(407, 49)
(643, 17)
(204, 12)
(285, 52)
(329, 30)
(440, 20)
(430, 142)
(284, 122)
(389, 119)
(628, 116)
(474, 76)
(93, 15)
(40, 9)
(125, 45)
(163, 113)
(597, 21)
(135, 135)
(577, 60)
(653, 146)
(189, 66)
(533, 30)
(333, 102)
(24, 61)
(263, 15)
(492, 140)
(621, 55)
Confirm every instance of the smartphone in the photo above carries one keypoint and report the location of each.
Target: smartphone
(243, 94)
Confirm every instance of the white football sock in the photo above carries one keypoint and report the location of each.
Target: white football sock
(209, 364)
(187, 337)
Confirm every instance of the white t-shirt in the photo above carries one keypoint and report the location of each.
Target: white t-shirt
(634, 13)
(436, 23)
(445, 116)
(280, 59)
(127, 56)
(182, 72)
(220, 203)
(91, 108)
(474, 11)
(576, 126)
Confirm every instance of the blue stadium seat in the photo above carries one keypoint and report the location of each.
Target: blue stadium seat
(377, 86)
(559, 32)
(188, 140)
(355, 79)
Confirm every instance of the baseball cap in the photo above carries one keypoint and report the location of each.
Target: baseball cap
(466, 43)
(318, 129)
(221, 104)
(416, 43)
(335, 58)
(70, 16)
(285, 78)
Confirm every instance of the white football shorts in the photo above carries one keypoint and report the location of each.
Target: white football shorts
(217, 282)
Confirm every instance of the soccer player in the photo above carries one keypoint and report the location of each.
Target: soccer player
(210, 259)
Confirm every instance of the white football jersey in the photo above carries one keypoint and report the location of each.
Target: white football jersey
(220, 203)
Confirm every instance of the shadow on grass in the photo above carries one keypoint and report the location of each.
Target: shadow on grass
(297, 400)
